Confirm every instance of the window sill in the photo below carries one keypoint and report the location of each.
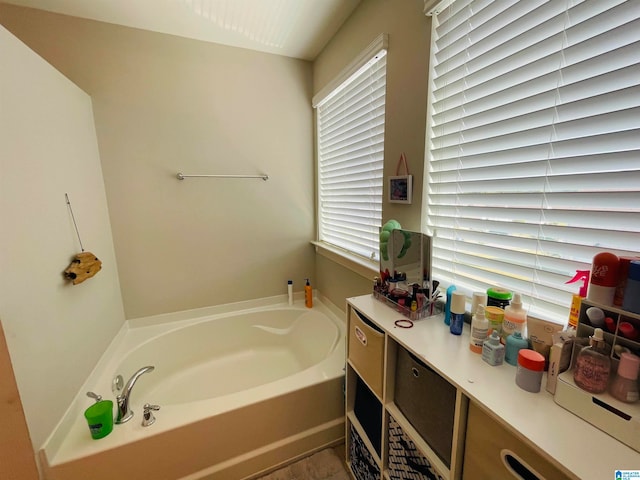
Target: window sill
(366, 268)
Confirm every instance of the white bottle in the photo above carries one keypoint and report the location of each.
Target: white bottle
(479, 330)
(290, 291)
(515, 317)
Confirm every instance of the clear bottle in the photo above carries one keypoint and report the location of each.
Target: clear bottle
(625, 384)
(479, 330)
(593, 364)
(493, 350)
(515, 317)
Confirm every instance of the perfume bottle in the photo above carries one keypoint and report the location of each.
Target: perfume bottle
(593, 364)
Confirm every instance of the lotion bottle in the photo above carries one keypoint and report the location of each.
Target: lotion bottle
(308, 295)
(493, 350)
(515, 317)
(290, 291)
(479, 330)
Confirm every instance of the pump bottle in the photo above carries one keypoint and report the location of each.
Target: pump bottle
(308, 295)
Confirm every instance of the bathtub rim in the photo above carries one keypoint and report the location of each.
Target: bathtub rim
(134, 331)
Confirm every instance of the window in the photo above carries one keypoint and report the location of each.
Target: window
(534, 156)
(350, 143)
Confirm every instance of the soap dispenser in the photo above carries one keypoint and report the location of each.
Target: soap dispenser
(593, 364)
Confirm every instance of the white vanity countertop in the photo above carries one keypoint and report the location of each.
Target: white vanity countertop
(564, 438)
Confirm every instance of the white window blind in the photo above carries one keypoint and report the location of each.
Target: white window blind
(350, 139)
(534, 157)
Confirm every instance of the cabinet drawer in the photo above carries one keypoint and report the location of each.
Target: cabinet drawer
(493, 453)
(405, 460)
(366, 351)
(427, 401)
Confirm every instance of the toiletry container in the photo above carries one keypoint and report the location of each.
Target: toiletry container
(625, 384)
(576, 299)
(530, 369)
(591, 372)
(631, 300)
(290, 291)
(623, 274)
(514, 344)
(498, 297)
(308, 295)
(479, 330)
(495, 316)
(447, 305)
(515, 317)
(604, 278)
(493, 350)
(478, 298)
(457, 312)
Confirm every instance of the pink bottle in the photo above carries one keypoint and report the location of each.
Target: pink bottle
(625, 385)
(593, 364)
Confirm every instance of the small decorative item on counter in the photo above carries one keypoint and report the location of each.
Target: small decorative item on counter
(625, 384)
(631, 301)
(308, 295)
(495, 316)
(498, 297)
(591, 372)
(514, 344)
(530, 368)
(515, 317)
(604, 278)
(457, 312)
(479, 330)
(493, 350)
(576, 299)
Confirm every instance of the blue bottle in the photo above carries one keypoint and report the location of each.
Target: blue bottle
(447, 305)
(457, 312)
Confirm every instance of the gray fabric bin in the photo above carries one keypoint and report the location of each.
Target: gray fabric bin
(427, 401)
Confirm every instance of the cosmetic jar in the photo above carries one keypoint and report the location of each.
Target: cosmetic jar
(530, 369)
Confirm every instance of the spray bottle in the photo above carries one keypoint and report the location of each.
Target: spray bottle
(576, 299)
(308, 295)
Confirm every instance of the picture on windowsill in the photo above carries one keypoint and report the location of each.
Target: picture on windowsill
(400, 189)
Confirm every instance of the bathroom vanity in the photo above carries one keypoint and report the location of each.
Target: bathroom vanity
(420, 404)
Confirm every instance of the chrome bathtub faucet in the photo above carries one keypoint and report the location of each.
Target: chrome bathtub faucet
(124, 411)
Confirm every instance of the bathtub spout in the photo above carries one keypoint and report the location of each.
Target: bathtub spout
(124, 411)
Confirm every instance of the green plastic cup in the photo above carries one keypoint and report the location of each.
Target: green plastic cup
(100, 419)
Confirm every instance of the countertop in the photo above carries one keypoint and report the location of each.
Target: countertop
(568, 441)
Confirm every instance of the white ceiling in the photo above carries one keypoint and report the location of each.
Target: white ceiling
(294, 28)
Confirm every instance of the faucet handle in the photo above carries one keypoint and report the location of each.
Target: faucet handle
(95, 396)
(147, 416)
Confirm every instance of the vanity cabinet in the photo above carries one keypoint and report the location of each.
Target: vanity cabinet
(421, 405)
(404, 420)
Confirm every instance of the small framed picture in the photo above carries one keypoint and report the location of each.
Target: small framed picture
(400, 189)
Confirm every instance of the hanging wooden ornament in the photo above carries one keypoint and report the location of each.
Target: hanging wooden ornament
(84, 265)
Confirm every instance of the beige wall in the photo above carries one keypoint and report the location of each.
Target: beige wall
(165, 104)
(55, 331)
(406, 100)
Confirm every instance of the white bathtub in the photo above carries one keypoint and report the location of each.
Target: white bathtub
(241, 388)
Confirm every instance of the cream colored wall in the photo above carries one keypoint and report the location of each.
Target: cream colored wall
(405, 115)
(55, 331)
(166, 104)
